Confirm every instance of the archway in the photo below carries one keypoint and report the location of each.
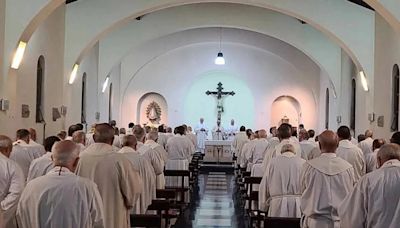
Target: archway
(143, 104)
(286, 109)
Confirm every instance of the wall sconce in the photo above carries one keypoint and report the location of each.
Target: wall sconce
(371, 117)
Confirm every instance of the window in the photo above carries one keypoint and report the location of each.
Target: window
(110, 104)
(39, 90)
(353, 105)
(327, 109)
(83, 99)
(395, 98)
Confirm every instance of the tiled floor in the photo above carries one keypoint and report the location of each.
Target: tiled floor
(213, 206)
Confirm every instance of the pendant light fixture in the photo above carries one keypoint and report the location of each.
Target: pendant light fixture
(220, 56)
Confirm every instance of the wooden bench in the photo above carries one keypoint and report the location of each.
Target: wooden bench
(151, 221)
(281, 222)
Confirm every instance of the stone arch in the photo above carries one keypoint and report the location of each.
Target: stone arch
(143, 103)
(286, 107)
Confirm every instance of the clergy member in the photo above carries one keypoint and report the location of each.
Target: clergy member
(119, 184)
(231, 130)
(154, 157)
(60, 198)
(239, 140)
(22, 153)
(371, 159)
(41, 166)
(192, 136)
(12, 182)
(201, 133)
(32, 142)
(257, 152)
(146, 171)
(350, 152)
(280, 191)
(79, 138)
(325, 182)
(218, 131)
(366, 144)
(152, 139)
(305, 144)
(375, 200)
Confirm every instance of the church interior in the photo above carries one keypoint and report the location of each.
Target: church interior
(329, 66)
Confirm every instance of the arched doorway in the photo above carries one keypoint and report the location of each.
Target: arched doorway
(285, 108)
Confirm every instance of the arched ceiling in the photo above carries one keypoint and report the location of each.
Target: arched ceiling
(87, 24)
(314, 44)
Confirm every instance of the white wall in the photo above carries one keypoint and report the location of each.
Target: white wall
(387, 50)
(48, 40)
(183, 75)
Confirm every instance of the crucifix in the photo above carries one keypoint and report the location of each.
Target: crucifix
(219, 94)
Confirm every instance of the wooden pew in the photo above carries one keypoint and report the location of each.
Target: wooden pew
(151, 221)
(277, 222)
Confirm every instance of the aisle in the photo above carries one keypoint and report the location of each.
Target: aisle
(214, 206)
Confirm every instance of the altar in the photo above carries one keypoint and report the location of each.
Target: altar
(218, 151)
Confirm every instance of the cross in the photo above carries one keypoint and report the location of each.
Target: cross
(219, 94)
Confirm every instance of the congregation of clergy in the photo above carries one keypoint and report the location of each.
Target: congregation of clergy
(96, 179)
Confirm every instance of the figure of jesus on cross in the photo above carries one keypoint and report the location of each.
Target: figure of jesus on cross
(219, 95)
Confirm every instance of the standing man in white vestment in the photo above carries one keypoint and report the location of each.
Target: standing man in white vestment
(371, 159)
(22, 153)
(366, 144)
(325, 182)
(305, 144)
(162, 137)
(375, 200)
(12, 183)
(191, 136)
(257, 151)
(180, 150)
(145, 170)
(79, 138)
(231, 130)
(153, 156)
(152, 142)
(280, 190)
(119, 184)
(40, 166)
(201, 133)
(350, 152)
(32, 142)
(239, 140)
(218, 131)
(60, 199)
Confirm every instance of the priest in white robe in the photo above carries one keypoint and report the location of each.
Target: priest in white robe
(162, 137)
(279, 193)
(366, 144)
(32, 142)
(375, 200)
(284, 134)
(218, 131)
(245, 153)
(257, 152)
(119, 184)
(152, 139)
(201, 133)
(41, 166)
(154, 157)
(231, 130)
(325, 182)
(60, 198)
(371, 159)
(12, 183)
(239, 140)
(79, 138)
(306, 145)
(22, 153)
(146, 171)
(350, 152)
(180, 150)
(191, 136)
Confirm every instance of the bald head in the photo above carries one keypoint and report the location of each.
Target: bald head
(79, 137)
(328, 141)
(130, 141)
(368, 133)
(262, 134)
(104, 133)
(65, 154)
(5, 145)
(388, 152)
